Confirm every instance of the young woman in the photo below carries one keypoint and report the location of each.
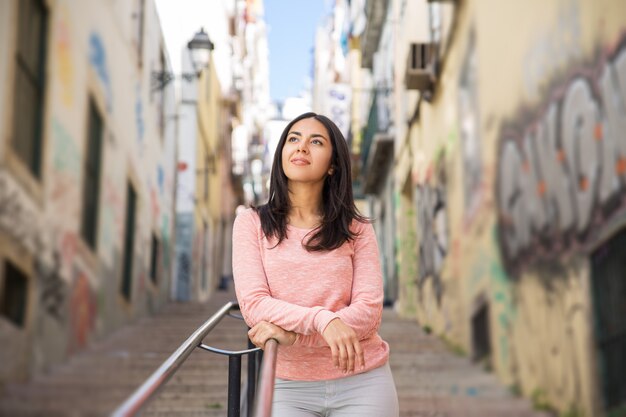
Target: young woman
(307, 273)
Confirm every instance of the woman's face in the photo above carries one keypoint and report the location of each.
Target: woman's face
(307, 152)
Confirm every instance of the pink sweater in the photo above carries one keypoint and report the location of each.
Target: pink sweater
(303, 291)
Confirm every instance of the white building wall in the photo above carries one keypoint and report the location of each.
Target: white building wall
(89, 57)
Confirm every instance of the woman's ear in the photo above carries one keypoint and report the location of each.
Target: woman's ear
(331, 170)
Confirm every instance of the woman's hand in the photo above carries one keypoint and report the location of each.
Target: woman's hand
(264, 331)
(344, 346)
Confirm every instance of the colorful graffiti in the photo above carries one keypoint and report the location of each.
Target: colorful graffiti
(469, 129)
(432, 226)
(98, 59)
(154, 203)
(64, 191)
(66, 155)
(487, 271)
(139, 115)
(160, 178)
(18, 215)
(562, 172)
(554, 360)
(83, 311)
(52, 287)
(63, 49)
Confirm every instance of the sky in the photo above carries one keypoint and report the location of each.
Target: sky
(292, 25)
(291, 36)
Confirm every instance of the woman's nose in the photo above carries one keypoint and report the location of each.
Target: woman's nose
(302, 146)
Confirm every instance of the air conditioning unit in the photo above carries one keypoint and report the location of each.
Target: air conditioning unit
(420, 69)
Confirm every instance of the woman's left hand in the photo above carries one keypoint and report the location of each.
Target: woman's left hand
(264, 331)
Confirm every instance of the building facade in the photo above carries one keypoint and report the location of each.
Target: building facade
(87, 174)
(506, 124)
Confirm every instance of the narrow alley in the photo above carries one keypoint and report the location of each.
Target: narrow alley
(483, 139)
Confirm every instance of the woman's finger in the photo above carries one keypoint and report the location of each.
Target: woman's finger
(343, 358)
(350, 358)
(334, 352)
(360, 355)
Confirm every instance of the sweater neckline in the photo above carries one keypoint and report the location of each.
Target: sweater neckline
(303, 229)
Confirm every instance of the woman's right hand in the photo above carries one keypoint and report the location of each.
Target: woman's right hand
(264, 331)
(344, 346)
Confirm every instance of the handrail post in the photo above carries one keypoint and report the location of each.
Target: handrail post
(251, 379)
(234, 382)
(263, 404)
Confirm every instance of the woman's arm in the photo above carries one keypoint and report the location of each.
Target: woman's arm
(253, 293)
(366, 304)
(364, 313)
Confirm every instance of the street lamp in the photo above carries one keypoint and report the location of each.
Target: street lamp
(200, 48)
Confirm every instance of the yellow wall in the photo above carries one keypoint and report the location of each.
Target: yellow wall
(208, 209)
(527, 56)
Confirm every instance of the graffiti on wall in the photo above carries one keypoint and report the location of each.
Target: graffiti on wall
(83, 311)
(52, 287)
(432, 226)
(139, 123)
(64, 190)
(556, 325)
(98, 59)
(469, 129)
(486, 272)
(19, 215)
(63, 50)
(562, 170)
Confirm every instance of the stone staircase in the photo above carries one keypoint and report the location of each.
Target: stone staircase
(430, 380)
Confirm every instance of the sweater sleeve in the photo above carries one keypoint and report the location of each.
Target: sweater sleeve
(364, 313)
(252, 289)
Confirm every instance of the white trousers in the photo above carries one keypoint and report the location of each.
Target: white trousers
(370, 394)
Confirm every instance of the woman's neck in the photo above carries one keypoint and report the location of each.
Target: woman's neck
(306, 207)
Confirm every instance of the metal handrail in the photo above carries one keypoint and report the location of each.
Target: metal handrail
(263, 403)
(142, 395)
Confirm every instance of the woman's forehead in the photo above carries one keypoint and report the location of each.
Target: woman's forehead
(309, 126)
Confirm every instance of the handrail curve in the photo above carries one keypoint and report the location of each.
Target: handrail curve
(265, 394)
(140, 397)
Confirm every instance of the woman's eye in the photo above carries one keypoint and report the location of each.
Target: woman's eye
(316, 142)
(292, 139)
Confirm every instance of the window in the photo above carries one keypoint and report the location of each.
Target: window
(129, 242)
(13, 304)
(91, 184)
(154, 259)
(29, 83)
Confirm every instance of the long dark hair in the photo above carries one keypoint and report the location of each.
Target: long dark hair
(338, 205)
